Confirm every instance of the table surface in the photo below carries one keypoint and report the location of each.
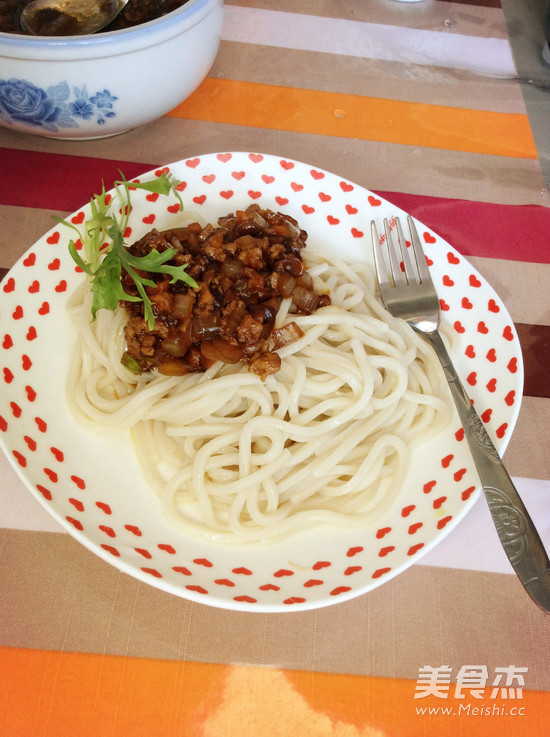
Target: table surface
(439, 107)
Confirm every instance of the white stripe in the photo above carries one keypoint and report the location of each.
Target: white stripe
(472, 545)
(487, 56)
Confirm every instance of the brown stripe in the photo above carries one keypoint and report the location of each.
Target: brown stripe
(23, 226)
(535, 343)
(105, 611)
(356, 76)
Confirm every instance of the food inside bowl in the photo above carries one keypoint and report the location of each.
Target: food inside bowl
(135, 13)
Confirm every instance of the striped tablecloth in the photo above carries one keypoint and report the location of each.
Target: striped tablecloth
(419, 102)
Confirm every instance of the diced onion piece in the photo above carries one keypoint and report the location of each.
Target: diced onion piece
(306, 280)
(172, 368)
(245, 242)
(176, 345)
(286, 284)
(286, 334)
(305, 300)
(162, 301)
(293, 226)
(257, 218)
(234, 318)
(221, 350)
(232, 268)
(183, 305)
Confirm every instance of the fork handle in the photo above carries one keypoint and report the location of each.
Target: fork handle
(516, 531)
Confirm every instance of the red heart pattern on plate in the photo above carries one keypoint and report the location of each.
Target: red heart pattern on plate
(298, 574)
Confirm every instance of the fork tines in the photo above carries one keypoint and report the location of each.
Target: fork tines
(402, 269)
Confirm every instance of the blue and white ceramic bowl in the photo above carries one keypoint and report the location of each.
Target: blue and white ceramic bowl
(84, 87)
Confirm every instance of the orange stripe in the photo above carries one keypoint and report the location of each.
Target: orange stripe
(354, 116)
(50, 693)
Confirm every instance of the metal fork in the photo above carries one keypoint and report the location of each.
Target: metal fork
(408, 292)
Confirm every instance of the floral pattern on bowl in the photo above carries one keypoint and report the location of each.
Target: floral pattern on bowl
(55, 107)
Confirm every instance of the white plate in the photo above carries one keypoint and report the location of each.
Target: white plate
(95, 489)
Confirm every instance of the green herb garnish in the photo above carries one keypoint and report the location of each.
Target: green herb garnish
(105, 253)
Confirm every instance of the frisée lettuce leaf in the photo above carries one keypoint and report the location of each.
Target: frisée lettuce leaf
(106, 257)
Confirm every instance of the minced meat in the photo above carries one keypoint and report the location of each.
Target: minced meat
(244, 267)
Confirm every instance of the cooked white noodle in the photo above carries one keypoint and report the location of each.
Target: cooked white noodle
(325, 439)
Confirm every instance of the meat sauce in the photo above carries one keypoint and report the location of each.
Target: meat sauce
(244, 267)
(135, 13)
